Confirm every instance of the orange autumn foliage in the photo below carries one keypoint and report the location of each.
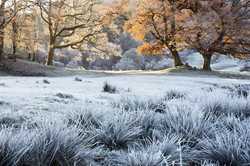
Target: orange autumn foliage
(150, 49)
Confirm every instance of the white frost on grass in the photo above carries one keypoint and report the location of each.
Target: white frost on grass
(77, 123)
(27, 92)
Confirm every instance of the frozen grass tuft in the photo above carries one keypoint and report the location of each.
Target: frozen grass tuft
(11, 121)
(226, 105)
(117, 133)
(189, 125)
(84, 120)
(209, 163)
(137, 158)
(227, 148)
(156, 154)
(108, 88)
(55, 145)
(174, 94)
(149, 123)
(12, 146)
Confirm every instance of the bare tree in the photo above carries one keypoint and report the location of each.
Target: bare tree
(70, 23)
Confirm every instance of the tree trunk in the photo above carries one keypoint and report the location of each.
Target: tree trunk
(1, 43)
(14, 32)
(14, 38)
(14, 49)
(176, 56)
(207, 62)
(2, 21)
(33, 58)
(85, 61)
(172, 47)
(50, 57)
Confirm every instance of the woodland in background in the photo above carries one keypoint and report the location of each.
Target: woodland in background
(94, 33)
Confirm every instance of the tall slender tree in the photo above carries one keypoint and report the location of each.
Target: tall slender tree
(2, 25)
(14, 25)
(8, 11)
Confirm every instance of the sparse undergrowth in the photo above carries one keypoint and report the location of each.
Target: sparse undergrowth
(175, 129)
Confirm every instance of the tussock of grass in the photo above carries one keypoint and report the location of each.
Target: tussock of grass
(108, 88)
(84, 120)
(55, 145)
(227, 148)
(13, 146)
(189, 125)
(226, 106)
(174, 94)
(149, 123)
(117, 134)
(166, 152)
(11, 121)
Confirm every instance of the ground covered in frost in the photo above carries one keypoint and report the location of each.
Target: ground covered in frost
(135, 120)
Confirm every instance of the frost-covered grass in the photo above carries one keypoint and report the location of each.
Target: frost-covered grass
(198, 124)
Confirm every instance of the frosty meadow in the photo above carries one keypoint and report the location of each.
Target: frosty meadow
(124, 82)
(187, 120)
